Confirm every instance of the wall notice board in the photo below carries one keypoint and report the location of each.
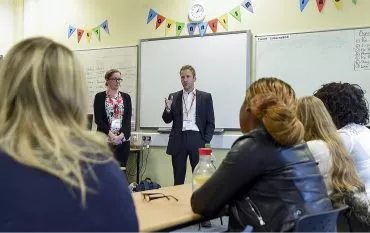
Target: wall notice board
(308, 60)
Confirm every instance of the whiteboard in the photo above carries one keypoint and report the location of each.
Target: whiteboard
(222, 64)
(308, 60)
(97, 61)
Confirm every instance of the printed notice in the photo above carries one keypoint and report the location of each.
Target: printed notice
(362, 49)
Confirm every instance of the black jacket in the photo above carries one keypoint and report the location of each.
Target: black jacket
(204, 119)
(281, 183)
(100, 114)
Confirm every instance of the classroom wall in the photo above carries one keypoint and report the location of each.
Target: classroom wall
(127, 22)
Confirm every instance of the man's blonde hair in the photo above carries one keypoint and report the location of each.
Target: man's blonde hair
(43, 111)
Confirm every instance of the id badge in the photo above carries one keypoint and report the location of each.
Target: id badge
(116, 124)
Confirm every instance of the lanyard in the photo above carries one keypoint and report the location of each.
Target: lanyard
(191, 105)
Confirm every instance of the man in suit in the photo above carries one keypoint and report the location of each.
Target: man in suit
(191, 112)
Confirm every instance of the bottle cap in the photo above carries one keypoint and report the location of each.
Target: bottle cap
(207, 145)
(205, 151)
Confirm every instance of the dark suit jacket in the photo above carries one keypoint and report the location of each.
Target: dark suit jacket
(204, 119)
(101, 118)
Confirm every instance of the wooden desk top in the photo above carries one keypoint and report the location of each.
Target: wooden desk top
(161, 213)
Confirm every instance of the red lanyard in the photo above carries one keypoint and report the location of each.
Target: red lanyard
(191, 105)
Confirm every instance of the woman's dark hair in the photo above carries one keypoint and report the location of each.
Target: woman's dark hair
(345, 102)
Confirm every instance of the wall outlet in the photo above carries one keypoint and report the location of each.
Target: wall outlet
(146, 140)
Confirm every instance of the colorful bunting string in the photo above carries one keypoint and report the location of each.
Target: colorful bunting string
(202, 26)
(89, 32)
(321, 4)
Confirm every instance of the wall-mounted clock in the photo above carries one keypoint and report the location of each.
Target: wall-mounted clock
(197, 12)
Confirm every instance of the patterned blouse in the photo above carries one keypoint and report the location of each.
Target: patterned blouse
(114, 108)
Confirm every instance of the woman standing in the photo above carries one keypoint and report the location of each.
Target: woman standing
(113, 110)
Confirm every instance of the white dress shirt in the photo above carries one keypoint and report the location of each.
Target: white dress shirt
(189, 105)
(356, 139)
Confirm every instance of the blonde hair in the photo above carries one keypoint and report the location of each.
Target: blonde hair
(188, 67)
(43, 111)
(320, 126)
(273, 102)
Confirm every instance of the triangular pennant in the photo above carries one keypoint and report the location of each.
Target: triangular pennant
(224, 21)
(71, 30)
(203, 28)
(236, 13)
(160, 20)
(302, 4)
(213, 24)
(80, 33)
(169, 25)
(320, 4)
(191, 28)
(247, 4)
(354, 2)
(88, 35)
(105, 26)
(179, 27)
(97, 32)
(151, 15)
(338, 4)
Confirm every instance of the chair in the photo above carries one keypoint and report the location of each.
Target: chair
(321, 222)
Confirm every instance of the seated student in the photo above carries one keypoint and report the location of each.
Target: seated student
(55, 174)
(336, 165)
(269, 175)
(348, 108)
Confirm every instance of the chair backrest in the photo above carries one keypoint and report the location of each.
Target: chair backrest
(89, 121)
(320, 222)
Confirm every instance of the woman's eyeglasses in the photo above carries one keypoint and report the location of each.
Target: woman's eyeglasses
(116, 79)
(152, 196)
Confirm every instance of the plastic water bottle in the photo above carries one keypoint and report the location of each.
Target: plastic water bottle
(204, 168)
(213, 158)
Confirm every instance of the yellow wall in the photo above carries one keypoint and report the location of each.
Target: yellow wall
(127, 20)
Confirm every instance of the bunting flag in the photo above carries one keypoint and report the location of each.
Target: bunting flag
(320, 4)
(236, 13)
(71, 30)
(213, 24)
(151, 15)
(169, 25)
(302, 4)
(96, 30)
(224, 21)
(104, 25)
(191, 28)
(354, 2)
(88, 35)
(179, 27)
(247, 4)
(160, 20)
(80, 33)
(203, 28)
(338, 4)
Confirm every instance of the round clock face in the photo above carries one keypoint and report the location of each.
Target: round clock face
(197, 12)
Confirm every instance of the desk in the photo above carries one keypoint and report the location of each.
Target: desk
(137, 151)
(161, 213)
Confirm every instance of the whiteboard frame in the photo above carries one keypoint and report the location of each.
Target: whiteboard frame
(137, 73)
(248, 65)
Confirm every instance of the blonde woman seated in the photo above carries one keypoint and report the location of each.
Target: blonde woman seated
(54, 174)
(335, 163)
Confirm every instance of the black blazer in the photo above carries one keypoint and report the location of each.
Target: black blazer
(204, 119)
(100, 114)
